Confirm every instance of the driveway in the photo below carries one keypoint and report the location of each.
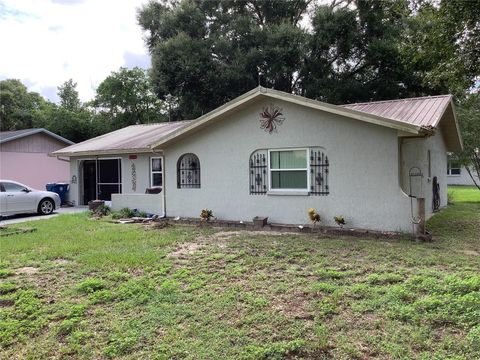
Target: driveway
(31, 217)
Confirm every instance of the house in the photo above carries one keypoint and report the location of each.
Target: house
(24, 157)
(269, 153)
(458, 174)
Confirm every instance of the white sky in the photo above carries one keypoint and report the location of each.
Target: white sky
(46, 42)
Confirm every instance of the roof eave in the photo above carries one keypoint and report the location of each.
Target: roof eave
(36, 131)
(102, 152)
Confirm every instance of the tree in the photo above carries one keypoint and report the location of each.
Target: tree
(441, 46)
(469, 119)
(126, 98)
(68, 95)
(205, 53)
(19, 108)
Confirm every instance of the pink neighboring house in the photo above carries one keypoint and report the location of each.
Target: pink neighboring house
(24, 157)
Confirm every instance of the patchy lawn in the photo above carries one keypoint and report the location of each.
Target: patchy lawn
(82, 289)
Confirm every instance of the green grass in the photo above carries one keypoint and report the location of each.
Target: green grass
(464, 193)
(82, 289)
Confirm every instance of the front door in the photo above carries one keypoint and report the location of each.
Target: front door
(89, 170)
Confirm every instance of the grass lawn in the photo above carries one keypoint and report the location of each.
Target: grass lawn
(88, 289)
(464, 193)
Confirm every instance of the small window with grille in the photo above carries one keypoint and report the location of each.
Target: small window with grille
(188, 171)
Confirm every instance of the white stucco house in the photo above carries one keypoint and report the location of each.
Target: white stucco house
(458, 174)
(269, 153)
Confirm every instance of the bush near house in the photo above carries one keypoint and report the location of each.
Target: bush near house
(196, 293)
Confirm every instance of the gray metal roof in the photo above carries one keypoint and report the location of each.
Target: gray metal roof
(135, 138)
(422, 111)
(6, 136)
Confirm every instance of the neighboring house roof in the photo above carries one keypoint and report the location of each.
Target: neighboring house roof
(135, 138)
(6, 136)
(393, 114)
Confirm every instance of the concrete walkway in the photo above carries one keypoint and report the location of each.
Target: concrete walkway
(32, 217)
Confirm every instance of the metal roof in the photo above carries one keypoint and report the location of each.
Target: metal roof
(6, 136)
(135, 138)
(421, 111)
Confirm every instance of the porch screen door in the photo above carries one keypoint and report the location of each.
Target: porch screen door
(109, 175)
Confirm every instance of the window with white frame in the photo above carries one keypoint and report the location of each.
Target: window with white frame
(156, 172)
(288, 169)
(454, 168)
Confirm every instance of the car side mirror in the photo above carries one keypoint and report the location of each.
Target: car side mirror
(26, 190)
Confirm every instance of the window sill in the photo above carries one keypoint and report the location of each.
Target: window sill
(288, 193)
(454, 175)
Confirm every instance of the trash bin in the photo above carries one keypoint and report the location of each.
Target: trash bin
(60, 188)
(50, 186)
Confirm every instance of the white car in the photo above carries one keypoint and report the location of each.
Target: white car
(17, 198)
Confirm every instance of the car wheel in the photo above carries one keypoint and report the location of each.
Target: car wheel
(46, 207)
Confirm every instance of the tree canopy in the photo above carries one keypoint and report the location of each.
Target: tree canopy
(208, 52)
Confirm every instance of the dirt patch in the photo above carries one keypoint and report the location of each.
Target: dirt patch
(225, 235)
(185, 250)
(297, 307)
(470, 252)
(61, 261)
(6, 302)
(27, 270)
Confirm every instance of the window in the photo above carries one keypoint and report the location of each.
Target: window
(188, 171)
(453, 168)
(156, 172)
(12, 187)
(288, 169)
(282, 170)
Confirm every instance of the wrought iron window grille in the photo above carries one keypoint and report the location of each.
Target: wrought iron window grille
(188, 171)
(319, 170)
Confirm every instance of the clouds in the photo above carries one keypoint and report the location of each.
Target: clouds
(45, 43)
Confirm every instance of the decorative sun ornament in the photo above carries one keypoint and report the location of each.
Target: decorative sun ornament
(271, 117)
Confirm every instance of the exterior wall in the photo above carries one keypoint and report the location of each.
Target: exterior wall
(463, 178)
(36, 143)
(34, 170)
(150, 203)
(131, 184)
(415, 154)
(26, 160)
(363, 173)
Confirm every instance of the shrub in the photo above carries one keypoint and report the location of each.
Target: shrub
(206, 214)
(100, 211)
(123, 214)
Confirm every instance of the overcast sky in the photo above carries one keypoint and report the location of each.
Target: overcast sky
(46, 42)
